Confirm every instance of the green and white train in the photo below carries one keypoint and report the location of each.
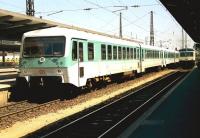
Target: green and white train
(79, 58)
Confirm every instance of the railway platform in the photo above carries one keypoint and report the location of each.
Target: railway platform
(6, 76)
(2, 70)
(4, 94)
(176, 115)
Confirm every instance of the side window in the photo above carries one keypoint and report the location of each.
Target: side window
(74, 50)
(138, 53)
(119, 53)
(142, 53)
(131, 53)
(147, 54)
(80, 51)
(134, 53)
(109, 49)
(114, 52)
(90, 51)
(128, 53)
(103, 52)
(124, 53)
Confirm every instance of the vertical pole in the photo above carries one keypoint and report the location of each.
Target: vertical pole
(182, 38)
(151, 29)
(30, 8)
(185, 40)
(120, 25)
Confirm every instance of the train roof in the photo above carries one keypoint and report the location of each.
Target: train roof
(71, 33)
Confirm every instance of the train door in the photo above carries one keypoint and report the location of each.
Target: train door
(78, 49)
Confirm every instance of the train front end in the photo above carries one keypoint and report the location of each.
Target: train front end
(43, 59)
(187, 58)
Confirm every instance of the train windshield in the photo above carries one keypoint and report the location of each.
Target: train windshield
(186, 54)
(44, 46)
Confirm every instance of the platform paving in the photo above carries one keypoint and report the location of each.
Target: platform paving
(178, 116)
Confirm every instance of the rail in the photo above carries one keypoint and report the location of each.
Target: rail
(33, 107)
(103, 121)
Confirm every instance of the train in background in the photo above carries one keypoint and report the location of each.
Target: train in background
(187, 57)
(11, 59)
(84, 59)
(197, 50)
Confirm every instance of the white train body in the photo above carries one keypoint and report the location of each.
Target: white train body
(82, 56)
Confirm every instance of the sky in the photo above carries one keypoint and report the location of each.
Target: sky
(103, 16)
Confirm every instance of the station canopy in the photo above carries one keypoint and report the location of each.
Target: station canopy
(187, 14)
(13, 25)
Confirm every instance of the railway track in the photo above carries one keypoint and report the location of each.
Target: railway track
(14, 110)
(109, 120)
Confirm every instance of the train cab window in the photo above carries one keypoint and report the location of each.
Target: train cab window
(103, 52)
(109, 49)
(74, 50)
(114, 52)
(128, 52)
(119, 53)
(131, 53)
(134, 53)
(124, 53)
(90, 51)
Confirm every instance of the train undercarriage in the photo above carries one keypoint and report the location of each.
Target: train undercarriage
(187, 64)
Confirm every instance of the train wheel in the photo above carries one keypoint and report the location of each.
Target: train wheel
(91, 84)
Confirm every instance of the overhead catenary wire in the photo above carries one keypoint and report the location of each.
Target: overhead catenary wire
(116, 14)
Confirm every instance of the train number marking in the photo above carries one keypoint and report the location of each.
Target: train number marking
(42, 72)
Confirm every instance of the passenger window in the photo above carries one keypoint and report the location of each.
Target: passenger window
(119, 53)
(128, 53)
(131, 53)
(114, 52)
(142, 53)
(124, 53)
(74, 50)
(103, 52)
(138, 53)
(90, 51)
(148, 54)
(109, 49)
(134, 53)
(81, 51)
